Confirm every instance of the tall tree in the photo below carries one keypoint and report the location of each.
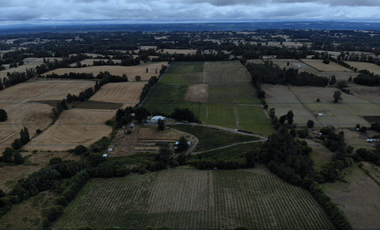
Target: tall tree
(7, 155)
(24, 136)
(161, 124)
(3, 115)
(290, 117)
(17, 158)
(337, 96)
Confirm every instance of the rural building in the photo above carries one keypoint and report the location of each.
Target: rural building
(132, 125)
(156, 118)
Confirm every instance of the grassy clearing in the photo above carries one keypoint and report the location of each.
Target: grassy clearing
(222, 115)
(184, 198)
(359, 198)
(210, 138)
(254, 119)
(185, 67)
(232, 93)
(237, 152)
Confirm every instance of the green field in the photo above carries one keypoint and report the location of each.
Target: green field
(185, 198)
(230, 103)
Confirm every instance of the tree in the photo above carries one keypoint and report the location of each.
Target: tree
(337, 96)
(7, 155)
(24, 136)
(182, 144)
(17, 158)
(161, 124)
(80, 149)
(290, 117)
(165, 156)
(16, 144)
(310, 124)
(3, 115)
(333, 80)
(138, 78)
(181, 159)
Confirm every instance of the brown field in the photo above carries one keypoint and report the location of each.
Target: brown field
(91, 61)
(373, 169)
(92, 55)
(45, 157)
(346, 113)
(355, 139)
(232, 71)
(130, 71)
(359, 199)
(371, 94)
(74, 127)
(296, 65)
(197, 93)
(365, 65)
(148, 47)
(144, 139)
(331, 67)
(283, 99)
(126, 93)
(333, 53)
(28, 214)
(22, 112)
(292, 44)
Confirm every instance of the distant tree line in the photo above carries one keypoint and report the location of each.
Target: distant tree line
(55, 64)
(16, 78)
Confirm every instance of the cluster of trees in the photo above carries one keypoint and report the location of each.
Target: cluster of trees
(376, 126)
(184, 115)
(12, 156)
(16, 78)
(366, 79)
(273, 74)
(72, 75)
(363, 154)
(58, 109)
(23, 140)
(125, 116)
(55, 64)
(147, 87)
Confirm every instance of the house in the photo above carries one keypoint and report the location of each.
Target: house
(105, 155)
(132, 125)
(156, 118)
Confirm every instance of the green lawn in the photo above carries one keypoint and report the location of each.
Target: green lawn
(240, 93)
(254, 119)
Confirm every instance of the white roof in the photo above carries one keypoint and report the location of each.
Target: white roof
(156, 118)
(110, 149)
(105, 155)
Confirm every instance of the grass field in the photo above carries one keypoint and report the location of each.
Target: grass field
(283, 99)
(365, 65)
(359, 198)
(371, 94)
(19, 103)
(74, 127)
(296, 64)
(346, 113)
(130, 71)
(331, 67)
(213, 91)
(185, 198)
(254, 119)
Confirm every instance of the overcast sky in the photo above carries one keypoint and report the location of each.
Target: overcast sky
(205, 10)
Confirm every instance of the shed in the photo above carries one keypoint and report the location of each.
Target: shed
(110, 149)
(320, 114)
(105, 155)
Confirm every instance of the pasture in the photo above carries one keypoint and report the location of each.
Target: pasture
(74, 127)
(23, 111)
(331, 67)
(365, 65)
(371, 94)
(130, 71)
(226, 72)
(296, 64)
(185, 198)
(283, 99)
(346, 113)
(359, 198)
(125, 93)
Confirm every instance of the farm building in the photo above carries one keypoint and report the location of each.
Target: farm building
(156, 118)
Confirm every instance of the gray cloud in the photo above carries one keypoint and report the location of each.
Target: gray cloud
(187, 9)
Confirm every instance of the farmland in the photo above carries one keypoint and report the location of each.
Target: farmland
(214, 91)
(130, 71)
(167, 198)
(74, 127)
(20, 102)
(296, 64)
(126, 93)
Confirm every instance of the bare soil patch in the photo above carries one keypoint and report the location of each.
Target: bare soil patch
(197, 93)
(125, 93)
(74, 127)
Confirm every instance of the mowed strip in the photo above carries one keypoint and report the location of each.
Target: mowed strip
(130, 71)
(126, 93)
(19, 101)
(74, 127)
(184, 198)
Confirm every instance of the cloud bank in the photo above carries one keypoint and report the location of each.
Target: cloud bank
(189, 10)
